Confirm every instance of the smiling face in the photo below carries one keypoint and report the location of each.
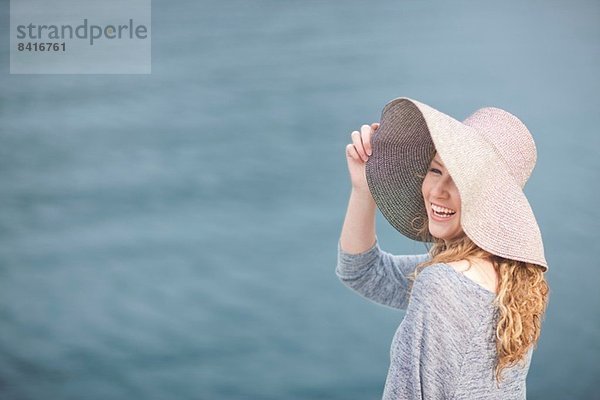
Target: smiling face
(439, 188)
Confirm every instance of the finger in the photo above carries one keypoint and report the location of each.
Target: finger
(351, 151)
(366, 133)
(375, 125)
(358, 144)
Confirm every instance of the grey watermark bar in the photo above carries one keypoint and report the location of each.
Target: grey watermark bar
(80, 37)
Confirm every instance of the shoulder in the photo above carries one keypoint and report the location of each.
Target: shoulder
(484, 273)
(439, 287)
(438, 299)
(433, 277)
(436, 284)
(441, 291)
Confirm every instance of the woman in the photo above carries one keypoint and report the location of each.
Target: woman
(475, 301)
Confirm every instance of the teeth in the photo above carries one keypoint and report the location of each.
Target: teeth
(442, 209)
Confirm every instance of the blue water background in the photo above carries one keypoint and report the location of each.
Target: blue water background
(173, 236)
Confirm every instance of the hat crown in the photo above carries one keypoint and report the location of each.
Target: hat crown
(510, 138)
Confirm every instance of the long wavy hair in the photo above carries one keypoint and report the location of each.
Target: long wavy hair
(521, 299)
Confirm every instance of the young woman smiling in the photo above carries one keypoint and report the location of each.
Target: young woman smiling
(475, 301)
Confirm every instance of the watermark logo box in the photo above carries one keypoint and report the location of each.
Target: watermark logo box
(80, 37)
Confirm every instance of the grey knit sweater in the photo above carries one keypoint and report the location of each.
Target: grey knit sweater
(444, 347)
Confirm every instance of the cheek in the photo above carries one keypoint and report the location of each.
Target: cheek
(424, 192)
(425, 186)
(459, 201)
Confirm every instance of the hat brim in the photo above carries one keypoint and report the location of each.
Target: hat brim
(495, 213)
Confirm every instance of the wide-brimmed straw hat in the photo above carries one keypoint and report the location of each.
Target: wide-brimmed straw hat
(490, 156)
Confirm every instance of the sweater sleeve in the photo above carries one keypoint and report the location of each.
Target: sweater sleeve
(428, 347)
(378, 275)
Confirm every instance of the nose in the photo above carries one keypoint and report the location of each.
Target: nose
(440, 188)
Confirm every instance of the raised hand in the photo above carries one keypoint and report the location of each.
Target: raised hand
(357, 154)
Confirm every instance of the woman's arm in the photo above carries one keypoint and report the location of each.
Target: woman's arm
(378, 275)
(362, 266)
(358, 232)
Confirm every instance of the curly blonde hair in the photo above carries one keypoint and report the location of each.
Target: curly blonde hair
(522, 294)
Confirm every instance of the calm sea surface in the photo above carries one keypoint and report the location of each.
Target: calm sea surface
(173, 235)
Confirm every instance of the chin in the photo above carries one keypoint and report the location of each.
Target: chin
(443, 234)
